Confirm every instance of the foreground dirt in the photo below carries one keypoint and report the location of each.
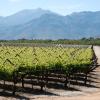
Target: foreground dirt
(78, 93)
(95, 96)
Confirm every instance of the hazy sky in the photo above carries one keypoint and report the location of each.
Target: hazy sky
(8, 7)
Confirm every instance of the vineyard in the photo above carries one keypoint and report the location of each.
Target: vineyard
(44, 65)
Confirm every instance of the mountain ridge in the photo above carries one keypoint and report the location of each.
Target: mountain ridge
(50, 25)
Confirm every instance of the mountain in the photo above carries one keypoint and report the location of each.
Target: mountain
(84, 24)
(23, 16)
(44, 24)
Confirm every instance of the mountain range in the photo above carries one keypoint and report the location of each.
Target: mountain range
(44, 24)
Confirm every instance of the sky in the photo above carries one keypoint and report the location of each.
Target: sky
(64, 7)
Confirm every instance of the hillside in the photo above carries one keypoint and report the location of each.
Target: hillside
(44, 24)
